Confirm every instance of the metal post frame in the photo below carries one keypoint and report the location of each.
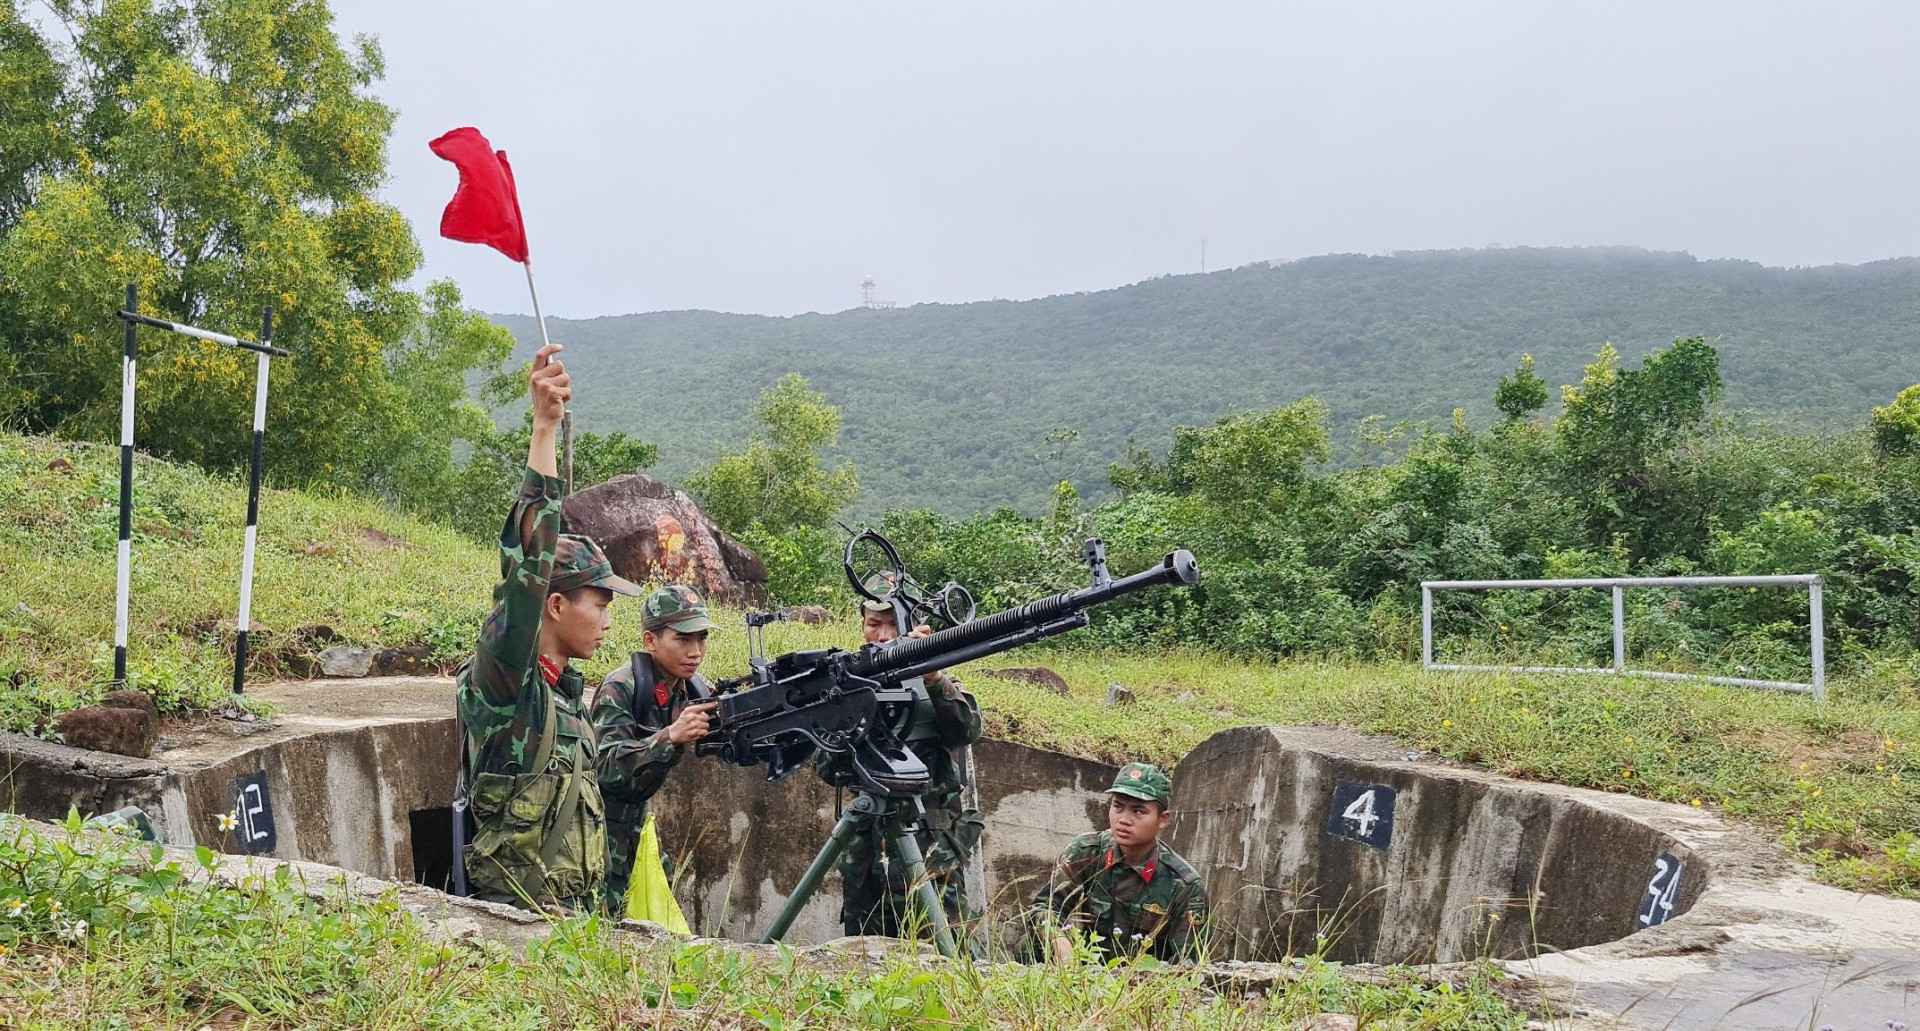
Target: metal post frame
(1816, 620)
(244, 624)
(123, 577)
(131, 316)
(1619, 628)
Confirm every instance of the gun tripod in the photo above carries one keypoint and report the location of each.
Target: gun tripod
(896, 816)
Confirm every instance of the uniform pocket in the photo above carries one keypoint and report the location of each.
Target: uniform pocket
(489, 794)
(530, 805)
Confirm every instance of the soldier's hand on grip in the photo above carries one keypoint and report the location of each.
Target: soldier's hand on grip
(692, 724)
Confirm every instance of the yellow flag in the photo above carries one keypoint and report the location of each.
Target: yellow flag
(649, 896)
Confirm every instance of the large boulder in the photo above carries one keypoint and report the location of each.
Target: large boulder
(654, 532)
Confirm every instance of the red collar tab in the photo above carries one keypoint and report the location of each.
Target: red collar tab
(549, 672)
(661, 694)
(1146, 872)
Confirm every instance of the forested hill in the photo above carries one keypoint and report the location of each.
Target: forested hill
(946, 406)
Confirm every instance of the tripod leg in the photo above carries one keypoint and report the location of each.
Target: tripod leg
(829, 855)
(909, 849)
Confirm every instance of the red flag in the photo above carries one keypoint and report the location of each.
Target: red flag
(485, 208)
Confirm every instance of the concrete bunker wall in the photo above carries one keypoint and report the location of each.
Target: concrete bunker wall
(341, 795)
(1279, 821)
(372, 794)
(1302, 832)
(749, 841)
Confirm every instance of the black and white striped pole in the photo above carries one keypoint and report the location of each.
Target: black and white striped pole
(124, 575)
(245, 623)
(265, 351)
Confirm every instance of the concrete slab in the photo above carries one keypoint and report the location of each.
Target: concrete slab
(1753, 942)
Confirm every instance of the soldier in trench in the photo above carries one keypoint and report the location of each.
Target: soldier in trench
(647, 713)
(1122, 889)
(942, 721)
(539, 836)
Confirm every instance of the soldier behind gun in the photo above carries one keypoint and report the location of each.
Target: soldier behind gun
(646, 714)
(943, 720)
(539, 836)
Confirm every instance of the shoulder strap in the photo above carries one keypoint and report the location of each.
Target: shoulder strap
(640, 666)
(569, 805)
(543, 754)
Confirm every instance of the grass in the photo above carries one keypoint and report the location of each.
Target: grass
(107, 933)
(362, 571)
(1834, 781)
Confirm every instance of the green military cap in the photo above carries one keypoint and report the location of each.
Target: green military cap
(882, 584)
(1143, 781)
(579, 562)
(677, 606)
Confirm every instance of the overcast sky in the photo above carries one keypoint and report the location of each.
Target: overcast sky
(766, 157)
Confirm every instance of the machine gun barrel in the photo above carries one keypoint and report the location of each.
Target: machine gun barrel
(1011, 628)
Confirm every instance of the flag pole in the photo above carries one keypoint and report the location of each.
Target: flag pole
(566, 415)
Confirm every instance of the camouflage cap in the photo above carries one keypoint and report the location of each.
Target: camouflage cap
(1143, 781)
(579, 562)
(677, 606)
(882, 584)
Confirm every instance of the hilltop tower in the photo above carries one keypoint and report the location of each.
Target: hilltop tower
(867, 300)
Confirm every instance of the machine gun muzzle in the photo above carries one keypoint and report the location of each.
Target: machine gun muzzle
(1011, 628)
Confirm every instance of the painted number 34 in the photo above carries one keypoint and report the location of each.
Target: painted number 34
(1656, 906)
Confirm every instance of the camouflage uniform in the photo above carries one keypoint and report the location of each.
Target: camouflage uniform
(1158, 908)
(538, 824)
(634, 753)
(943, 720)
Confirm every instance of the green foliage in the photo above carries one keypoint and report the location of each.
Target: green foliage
(222, 156)
(1636, 476)
(176, 942)
(411, 462)
(776, 483)
(1521, 394)
(491, 475)
(372, 575)
(944, 405)
(1618, 438)
(1896, 427)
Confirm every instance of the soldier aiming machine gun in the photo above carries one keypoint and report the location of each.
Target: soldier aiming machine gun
(846, 705)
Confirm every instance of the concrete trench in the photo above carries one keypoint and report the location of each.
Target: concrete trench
(1310, 839)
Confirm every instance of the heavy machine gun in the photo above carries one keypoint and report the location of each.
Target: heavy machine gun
(830, 700)
(847, 706)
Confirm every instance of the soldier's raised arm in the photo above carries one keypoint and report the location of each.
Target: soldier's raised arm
(509, 640)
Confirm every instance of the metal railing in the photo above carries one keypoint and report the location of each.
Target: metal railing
(1816, 620)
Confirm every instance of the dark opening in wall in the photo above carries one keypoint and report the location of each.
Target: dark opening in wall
(432, 833)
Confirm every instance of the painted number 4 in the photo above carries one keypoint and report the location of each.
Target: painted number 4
(1362, 812)
(1359, 812)
(1662, 888)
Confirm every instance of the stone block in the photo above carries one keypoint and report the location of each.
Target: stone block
(111, 728)
(406, 660)
(345, 660)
